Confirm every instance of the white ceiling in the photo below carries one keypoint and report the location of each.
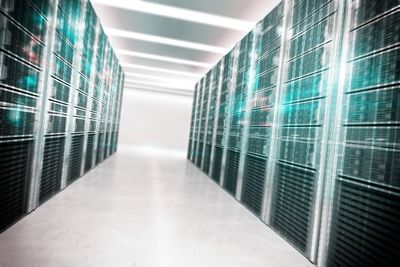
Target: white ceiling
(167, 45)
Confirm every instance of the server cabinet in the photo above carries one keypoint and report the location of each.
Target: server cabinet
(23, 35)
(196, 148)
(192, 126)
(203, 119)
(261, 118)
(222, 119)
(238, 111)
(209, 135)
(366, 209)
(214, 115)
(307, 92)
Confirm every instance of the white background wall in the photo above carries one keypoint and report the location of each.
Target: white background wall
(155, 120)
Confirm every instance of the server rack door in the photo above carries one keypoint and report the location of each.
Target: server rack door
(366, 207)
(311, 66)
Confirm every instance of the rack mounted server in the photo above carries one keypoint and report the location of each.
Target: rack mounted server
(303, 119)
(60, 98)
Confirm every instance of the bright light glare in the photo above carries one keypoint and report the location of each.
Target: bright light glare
(155, 77)
(164, 40)
(180, 85)
(163, 58)
(142, 67)
(180, 13)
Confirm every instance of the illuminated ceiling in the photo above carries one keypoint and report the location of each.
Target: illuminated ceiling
(166, 45)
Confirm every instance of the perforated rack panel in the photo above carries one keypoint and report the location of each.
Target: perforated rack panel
(216, 170)
(293, 198)
(89, 152)
(366, 215)
(15, 179)
(75, 159)
(231, 171)
(50, 180)
(253, 183)
(100, 147)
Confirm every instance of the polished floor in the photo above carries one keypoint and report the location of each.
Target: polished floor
(144, 207)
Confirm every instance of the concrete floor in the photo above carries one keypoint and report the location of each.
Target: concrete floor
(144, 207)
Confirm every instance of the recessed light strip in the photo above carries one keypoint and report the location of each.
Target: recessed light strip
(164, 40)
(177, 72)
(163, 58)
(167, 85)
(165, 91)
(159, 88)
(156, 77)
(180, 13)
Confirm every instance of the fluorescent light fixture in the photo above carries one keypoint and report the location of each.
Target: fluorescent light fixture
(164, 40)
(151, 87)
(162, 90)
(156, 77)
(188, 86)
(163, 58)
(180, 13)
(176, 72)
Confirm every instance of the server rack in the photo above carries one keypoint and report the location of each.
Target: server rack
(238, 113)
(214, 115)
(209, 127)
(203, 119)
(304, 122)
(315, 139)
(192, 126)
(261, 113)
(199, 105)
(223, 114)
(366, 209)
(45, 92)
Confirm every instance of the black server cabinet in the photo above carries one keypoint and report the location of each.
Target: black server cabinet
(89, 152)
(237, 113)
(211, 117)
(203, 120)
(222, 119)
(196, 156)
(23, 30)
(192, 126)
(15, 160)
(263, 97)
(366, 212)
(309, 64)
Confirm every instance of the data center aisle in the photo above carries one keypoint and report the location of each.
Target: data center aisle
(144, 207)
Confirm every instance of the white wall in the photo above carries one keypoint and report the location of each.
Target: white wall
(155, 120)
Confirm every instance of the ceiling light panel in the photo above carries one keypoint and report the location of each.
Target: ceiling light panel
(179, 85)
(130, 74)
(163, 58)
(164, 40)
(176, 72)
(180, 13)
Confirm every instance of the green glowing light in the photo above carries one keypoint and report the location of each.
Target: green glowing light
(15, 117)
